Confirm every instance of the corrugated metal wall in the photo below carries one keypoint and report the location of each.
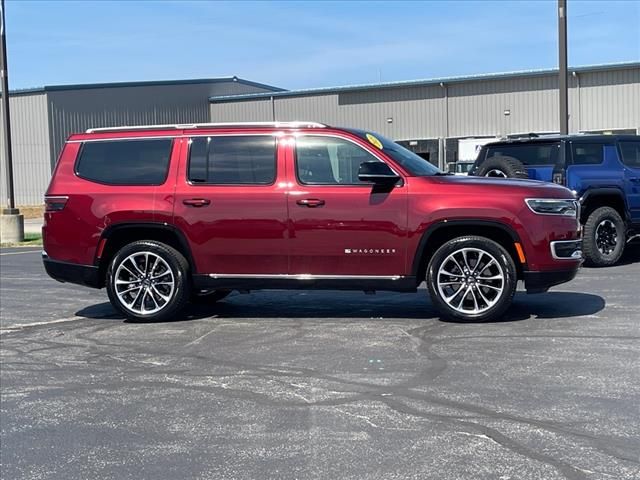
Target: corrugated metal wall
(73, 111)
(30, 143)
(608, 99)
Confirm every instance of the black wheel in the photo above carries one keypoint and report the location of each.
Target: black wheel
(604, 237)
(209, 296)
(472, 278)
(502, 167)
(148, 280)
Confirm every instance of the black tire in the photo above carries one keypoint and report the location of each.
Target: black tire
(604, 237)
(207, 297)
(502, 167)
(478, 289)
(172, 269)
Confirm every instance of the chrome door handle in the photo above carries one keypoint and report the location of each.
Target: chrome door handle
(197, 202)
(311, 202)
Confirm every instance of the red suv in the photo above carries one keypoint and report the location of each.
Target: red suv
(162, 215)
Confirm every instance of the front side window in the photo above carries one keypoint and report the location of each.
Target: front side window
(587, 153)
(329, 161)
(532, 154)
(630, 154)
(233, 160)
(125, 162)
(411, 162)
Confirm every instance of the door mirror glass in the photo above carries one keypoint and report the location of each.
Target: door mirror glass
(377, 172)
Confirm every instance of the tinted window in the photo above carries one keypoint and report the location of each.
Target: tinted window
(630, 154)
(329, 161)
(125, 162)
(413, 163)
(238, 160)
(531, 154)
(587, 153)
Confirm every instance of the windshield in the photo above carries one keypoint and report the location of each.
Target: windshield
(414, 164)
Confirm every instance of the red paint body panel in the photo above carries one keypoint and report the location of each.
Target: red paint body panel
(249, 229)
(244, 228)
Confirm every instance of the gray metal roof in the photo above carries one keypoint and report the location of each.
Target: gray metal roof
(422, 82)
(150, 83)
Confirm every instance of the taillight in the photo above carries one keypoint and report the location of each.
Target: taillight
(55, 203)
(558, 178)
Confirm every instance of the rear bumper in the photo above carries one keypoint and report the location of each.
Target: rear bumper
(86, 275)
(539, 282)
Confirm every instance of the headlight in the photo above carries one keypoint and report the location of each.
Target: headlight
(553, 206)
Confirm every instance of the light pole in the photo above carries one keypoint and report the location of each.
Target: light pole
(11, 222)
(562, 56)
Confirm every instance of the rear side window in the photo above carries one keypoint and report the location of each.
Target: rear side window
(531, 154)
(630, 154)
(125, 162)
(587, 153)
(237, 160)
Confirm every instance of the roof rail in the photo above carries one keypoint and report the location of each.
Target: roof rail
(185, 126)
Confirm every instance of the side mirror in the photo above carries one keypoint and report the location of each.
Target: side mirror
(378, 173)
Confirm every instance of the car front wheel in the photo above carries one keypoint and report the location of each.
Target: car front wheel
(472, 279)
(147, 281)
(604, 237)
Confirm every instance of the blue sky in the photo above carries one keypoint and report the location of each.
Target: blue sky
(305, 44)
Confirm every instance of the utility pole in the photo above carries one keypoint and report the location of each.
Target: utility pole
(562, 56)
(11, 222)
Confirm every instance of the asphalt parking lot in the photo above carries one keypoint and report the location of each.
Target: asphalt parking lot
(320, 385)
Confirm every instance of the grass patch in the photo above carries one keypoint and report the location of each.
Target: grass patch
(30, 240)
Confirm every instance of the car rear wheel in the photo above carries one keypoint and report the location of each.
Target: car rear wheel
(472, 279)
(604, 237)
(148, 281)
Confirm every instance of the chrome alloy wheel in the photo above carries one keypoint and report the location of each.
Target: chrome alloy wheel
(144, 283)
(470, 280)
(495, 173)
(606, 237)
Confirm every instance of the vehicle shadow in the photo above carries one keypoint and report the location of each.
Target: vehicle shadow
(330, 305)
(548, 305)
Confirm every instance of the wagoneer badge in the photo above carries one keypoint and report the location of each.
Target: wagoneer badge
(369, 251)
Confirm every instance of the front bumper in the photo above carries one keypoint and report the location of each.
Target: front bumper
(86, 275)
(539, 282)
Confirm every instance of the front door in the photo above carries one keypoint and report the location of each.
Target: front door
(631, 158)
(339, 225)
(231, 203)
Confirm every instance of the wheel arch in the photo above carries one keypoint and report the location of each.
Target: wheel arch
(441, 232)
(116, 236)
(603, 197)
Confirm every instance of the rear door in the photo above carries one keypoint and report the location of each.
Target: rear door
(342, 227)
(231, 203)
(630, 153)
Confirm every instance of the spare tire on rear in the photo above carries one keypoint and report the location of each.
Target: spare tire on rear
(502, 167)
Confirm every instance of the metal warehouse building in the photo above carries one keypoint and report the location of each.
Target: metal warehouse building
(42, 118)
(429, 116)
